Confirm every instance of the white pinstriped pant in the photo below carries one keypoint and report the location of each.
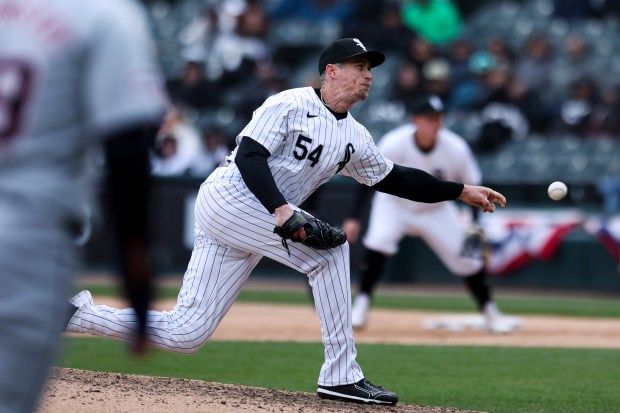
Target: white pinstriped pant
(233, 232)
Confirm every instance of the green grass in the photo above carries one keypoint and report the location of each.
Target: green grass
(560, 306)
(497, 379)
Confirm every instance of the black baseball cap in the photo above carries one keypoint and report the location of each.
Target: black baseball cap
(343, 49)
(427, 105)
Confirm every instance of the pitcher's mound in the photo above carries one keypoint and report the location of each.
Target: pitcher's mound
(72, 390)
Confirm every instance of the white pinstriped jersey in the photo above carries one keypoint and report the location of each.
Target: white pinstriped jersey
(450, 159)
(308, 145)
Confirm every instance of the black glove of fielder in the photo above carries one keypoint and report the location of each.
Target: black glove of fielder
(474, 243)
(320, 235)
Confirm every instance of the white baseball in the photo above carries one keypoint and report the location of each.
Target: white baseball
(557, 190)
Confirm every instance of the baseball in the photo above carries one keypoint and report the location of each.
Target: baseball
(557, 190)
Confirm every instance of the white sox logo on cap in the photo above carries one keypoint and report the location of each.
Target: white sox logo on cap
(435, 102)
(427, 105)
(359, 43)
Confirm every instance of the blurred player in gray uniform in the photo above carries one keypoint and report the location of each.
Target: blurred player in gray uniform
(425, 144)
(296, 141)
(72, 73)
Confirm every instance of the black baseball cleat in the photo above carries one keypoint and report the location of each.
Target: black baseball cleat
(361, 392)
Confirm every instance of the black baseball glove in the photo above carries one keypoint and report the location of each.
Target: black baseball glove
(474, 243)
(320, 235)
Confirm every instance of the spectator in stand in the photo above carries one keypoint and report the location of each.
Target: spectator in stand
(313, 10)
(363, 17)
(535, 62)
(419, 52)
(576, 110)
(437, 21)
(235, 54)
(501, 116)
(365, 12)
(605, 117)
(268, 79)
(176, 146)
(571, 65)
(531, 76)
(468, 7)
(573, 10)
(164, 156)
(471, 90)
(436, 75)
(538, 112)
(500, 50)
(213, 152)
(253, 22)
(408, 84)
(199, 35)
(459, 53)
(192, 89)
(383, 29)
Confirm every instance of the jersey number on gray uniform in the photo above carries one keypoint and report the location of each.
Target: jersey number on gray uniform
(15, 79)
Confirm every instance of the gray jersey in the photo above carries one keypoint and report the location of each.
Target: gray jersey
(61, 86)
(70, 72)
(300, 134)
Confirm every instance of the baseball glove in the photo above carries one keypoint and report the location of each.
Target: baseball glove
(320, 235)
(474, 243)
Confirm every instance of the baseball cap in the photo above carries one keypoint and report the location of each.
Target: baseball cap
(343, 49)
(436, 69)
(481, 61)
(427, 105)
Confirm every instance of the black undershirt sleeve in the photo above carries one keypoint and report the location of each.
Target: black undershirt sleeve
(417, 185)
(251, 159)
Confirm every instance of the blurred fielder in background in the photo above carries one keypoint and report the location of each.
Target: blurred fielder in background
(425, 144)
(72, 73)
